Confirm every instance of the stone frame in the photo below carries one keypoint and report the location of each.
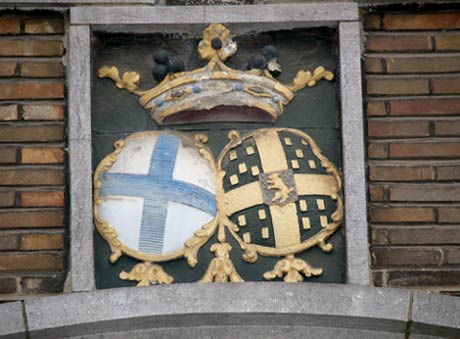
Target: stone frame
(343, 16)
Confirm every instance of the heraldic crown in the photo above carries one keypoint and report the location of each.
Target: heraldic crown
(196, 90)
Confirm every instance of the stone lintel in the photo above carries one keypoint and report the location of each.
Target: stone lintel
(232, 304)
(298, 12)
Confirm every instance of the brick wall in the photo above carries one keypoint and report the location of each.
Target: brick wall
(32, 154)
(412, 83)
(412, 77)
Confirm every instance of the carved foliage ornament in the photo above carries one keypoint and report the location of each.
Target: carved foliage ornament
(161, 195)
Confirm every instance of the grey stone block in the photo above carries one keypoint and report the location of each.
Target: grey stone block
(248, 304)
(79, 2)
(79, 83)
(353, 154)
(253, 332)
(81, 216)
(311, 12)
(11, 320)
(436, 315)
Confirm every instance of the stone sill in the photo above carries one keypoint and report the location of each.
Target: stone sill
(297, 308)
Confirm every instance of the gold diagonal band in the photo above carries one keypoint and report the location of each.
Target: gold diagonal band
(315, 184)
(243, 197)
(271, 151)
(285, 225)
(284, 218)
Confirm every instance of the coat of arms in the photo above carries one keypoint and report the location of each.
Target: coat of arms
(162, 195)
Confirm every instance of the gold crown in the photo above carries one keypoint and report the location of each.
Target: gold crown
(215, 84)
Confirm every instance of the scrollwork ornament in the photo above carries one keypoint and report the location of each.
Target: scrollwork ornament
(290, 270)
(147, 274)
(221, 268)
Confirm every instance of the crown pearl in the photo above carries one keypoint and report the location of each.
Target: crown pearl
(159, 102)
(239, 87)
(175, 65)
(196, 89)
(161, 57)
(270, 52)
(256, 62)
(160, 72)
(216, 44)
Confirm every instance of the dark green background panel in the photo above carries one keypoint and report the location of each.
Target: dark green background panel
(116, 114)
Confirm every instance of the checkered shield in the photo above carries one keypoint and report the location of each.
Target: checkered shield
(278, 189)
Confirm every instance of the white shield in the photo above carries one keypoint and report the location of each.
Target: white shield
(158, 192)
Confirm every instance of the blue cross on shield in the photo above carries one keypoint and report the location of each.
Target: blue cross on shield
(156, 211)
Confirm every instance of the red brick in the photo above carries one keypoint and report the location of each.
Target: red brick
(42, 155)
(7, 198)
(447, 42)
(397, 86)
(8, 68)
(376, 108)
(44, 26)
(43, 112)
(42, 69)
(31, 48)
(449, 215)
(447, 127)
(10, 25)
(8, 155)
(42, 199)
(402, 214)
(406, 256)
(31, 91)
(432, 192)
(32, 242)
(419, 235)
(423, 277)
(372, 21)
(377, 150)
(421, 21)
(398, 43)
(376, 193)
(448, 172)
(452, 256)
(8, 112)
(373, 65)
(397, 128)
(13, 262)
(9, 242)
(446, 86)
(377, 279)
(415, 107)
(401, 173)
(7, 285)
(21, 218)
(425, 150)
(423, 64)
(51, 283)
(380, 236)
(31, 176)
(17, 133)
